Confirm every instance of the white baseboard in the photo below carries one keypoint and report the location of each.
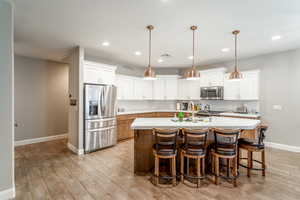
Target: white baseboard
(41, 139)
(8, 194)
(283, 147)
(75, 150)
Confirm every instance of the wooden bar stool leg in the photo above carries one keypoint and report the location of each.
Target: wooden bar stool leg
(198, 171)
(238, 157)
(263, 160)
(228, 167)
(188, 166)
(203, 166)
(174, 170)
(213, 163)
(249, 163)
(171, 165)
(181, 167)
(251, 160)
(156, 170)
(235, 170)
(217, 170)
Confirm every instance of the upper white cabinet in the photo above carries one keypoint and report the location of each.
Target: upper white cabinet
(133, 88)
(159, 89)
(245, 89)
(99, 73)
(213, 77)
(231, 89)
(249, 86)
(125, 87)
(188, 89)
(143, 89)
(165, 88)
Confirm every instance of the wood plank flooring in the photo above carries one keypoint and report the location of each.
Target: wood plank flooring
(50, 171)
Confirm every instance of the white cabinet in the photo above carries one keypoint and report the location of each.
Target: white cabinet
(171, 88)
(188, 89)
(231, 89)
(125, 87)
(245, 89)
(142, 89)
(165, 88)
(249, 86)
(98, 73)
(159, 89)
(213, 77)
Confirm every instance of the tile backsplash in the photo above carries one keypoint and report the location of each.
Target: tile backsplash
(136, 105)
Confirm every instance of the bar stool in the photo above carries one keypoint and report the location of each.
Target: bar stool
(165, 148)
(256, 145)
(225, 147)
(194, 147)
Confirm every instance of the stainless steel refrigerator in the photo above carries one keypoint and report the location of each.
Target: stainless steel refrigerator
(100, 116)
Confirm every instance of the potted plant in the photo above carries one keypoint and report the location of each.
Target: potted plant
(180, 116)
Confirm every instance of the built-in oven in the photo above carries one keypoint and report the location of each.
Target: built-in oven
(212, 93)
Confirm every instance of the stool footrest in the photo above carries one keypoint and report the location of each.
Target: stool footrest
(257, 161)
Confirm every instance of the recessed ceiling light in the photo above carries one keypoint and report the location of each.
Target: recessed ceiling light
(105, 44)
(225, 49)
(276, 37)
(190, 57)
(137, 53)
(160, 60)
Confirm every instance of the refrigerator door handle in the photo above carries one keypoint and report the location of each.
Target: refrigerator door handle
(102, 129)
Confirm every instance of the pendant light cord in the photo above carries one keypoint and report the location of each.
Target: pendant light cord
(235, 52)
(150, 47)
(193, 48)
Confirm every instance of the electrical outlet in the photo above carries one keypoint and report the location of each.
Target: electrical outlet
(277, 107)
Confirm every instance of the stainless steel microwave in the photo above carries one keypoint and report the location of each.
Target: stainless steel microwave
(213, 93)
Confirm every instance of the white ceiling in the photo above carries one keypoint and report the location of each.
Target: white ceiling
(49, 28)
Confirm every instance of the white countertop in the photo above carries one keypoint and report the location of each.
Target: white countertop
(186, 111)
(216, 122)
(148, 111)
(240, 115)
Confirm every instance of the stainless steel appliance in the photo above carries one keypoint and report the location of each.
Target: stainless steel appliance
(216, 93)
(99, 116)
(183, 105)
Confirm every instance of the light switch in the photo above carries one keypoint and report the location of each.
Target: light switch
(277, 107)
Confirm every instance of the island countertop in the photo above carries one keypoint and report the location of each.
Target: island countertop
(215, 122)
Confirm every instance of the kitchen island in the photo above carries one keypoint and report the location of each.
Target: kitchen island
(144, 140)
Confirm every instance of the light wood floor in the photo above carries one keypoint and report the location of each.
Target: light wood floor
(50, 171)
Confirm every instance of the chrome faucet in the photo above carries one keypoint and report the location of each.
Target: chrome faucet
(191, 107)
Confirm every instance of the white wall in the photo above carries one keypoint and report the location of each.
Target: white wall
(6, 101)
(41, 98)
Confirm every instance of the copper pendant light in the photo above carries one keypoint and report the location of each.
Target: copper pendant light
(236, 74)
(149, 73)
(193, 73)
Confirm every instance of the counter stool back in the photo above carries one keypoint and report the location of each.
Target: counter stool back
(165, 147)
(225, 147)
(256, 145)
(194, 147)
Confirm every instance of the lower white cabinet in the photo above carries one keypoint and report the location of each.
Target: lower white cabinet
(244, 89)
